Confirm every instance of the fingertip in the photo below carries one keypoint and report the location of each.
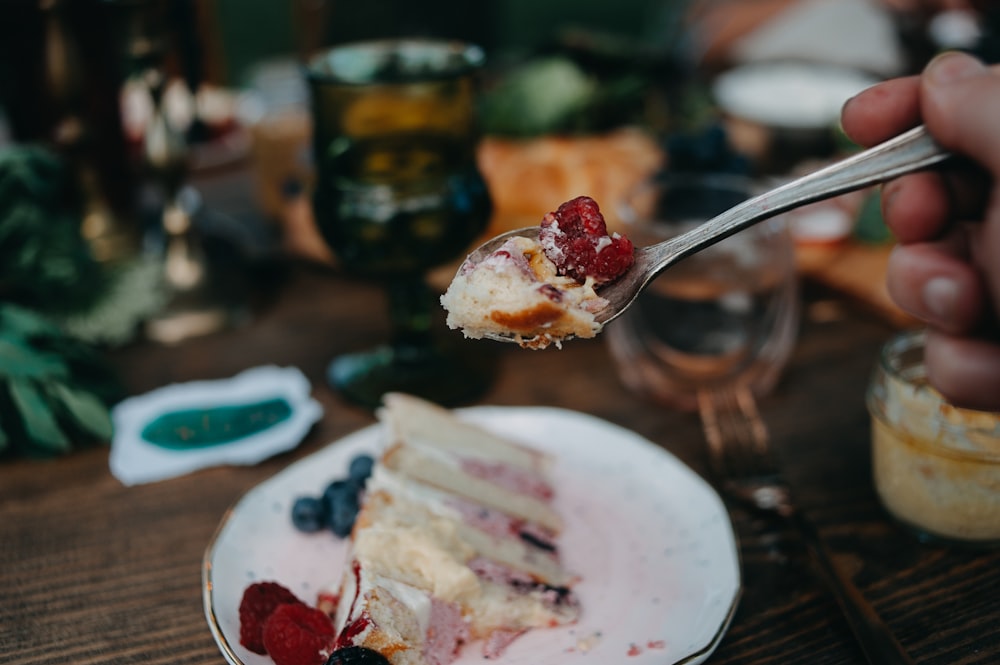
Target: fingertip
(935, 287)
(847, 117)
(965, 370)
(881, 111)
(916, 207)
(952, 67)
(941, 296)
(902, 282)
(959, 98)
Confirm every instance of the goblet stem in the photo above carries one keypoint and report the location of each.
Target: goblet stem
(415, 361)
(410, 317)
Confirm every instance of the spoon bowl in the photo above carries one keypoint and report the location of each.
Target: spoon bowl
(911, 151)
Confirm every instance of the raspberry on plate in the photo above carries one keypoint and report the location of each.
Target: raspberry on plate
(296, 634)
(575, 238)
(259, 601)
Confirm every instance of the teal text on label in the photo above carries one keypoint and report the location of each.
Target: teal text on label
(202, 428)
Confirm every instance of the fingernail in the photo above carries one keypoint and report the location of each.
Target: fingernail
(939, 295)
(952, 67)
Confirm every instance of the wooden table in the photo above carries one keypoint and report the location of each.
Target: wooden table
(94, 572)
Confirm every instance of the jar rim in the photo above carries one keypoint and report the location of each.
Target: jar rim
(897, 350)
(395, 61)
(901, 362)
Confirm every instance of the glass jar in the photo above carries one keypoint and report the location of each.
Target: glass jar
(936, 466)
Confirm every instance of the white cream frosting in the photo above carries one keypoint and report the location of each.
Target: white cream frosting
(415, 599)
(443, 471)
(431, 427)
(487, 298)
(355, 600)
(426, 553)
(384, 480)
(510, 551)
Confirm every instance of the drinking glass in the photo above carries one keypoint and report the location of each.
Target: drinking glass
(397, 192)
(714, 331)
(196, 295)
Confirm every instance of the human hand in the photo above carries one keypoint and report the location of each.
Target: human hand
(928, 5)
(946, 269)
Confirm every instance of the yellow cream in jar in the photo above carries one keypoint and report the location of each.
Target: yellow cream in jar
(936, 467)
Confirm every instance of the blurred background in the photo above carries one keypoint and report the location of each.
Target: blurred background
(155, 167)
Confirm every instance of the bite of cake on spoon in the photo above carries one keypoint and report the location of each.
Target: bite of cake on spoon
(539, 289)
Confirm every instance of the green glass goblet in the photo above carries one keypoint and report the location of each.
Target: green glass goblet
(398, 192)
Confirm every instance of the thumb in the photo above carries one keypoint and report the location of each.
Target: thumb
(961, 107)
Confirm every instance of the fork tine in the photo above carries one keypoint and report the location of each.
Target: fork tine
(735, 432)
(740, 456)
(756, 429)
(713, 434)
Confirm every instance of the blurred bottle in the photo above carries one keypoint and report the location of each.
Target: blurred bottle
(276, 109)
(59, 82)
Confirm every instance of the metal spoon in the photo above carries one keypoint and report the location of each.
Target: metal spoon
(911, 151)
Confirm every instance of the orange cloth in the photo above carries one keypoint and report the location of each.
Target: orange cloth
(528, 178)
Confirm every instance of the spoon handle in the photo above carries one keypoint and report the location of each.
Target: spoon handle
(910, 151)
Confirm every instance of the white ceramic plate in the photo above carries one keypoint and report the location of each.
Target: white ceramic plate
(794, 95)
(651, 540)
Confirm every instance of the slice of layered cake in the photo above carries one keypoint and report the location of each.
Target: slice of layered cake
(455, 542)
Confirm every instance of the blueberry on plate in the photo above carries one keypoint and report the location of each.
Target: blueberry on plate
(340, 518)
(361, 467)
(309, 514)
(356, 656)
(346, 491)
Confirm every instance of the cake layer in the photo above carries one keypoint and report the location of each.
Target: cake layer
(422, 423)
(495, 535)
(430, 444)
(446, 473)
(417, 592)
(454, 542)
(406, 625)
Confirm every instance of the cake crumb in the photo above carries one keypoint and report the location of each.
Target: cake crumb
(585, 644)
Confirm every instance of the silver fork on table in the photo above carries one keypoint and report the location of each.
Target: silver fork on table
(740, 456)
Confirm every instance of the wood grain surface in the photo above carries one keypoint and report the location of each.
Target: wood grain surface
(94, 572)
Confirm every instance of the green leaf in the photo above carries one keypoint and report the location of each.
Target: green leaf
(21, 323)
(44, 260)
(537, 98)
(39, 422)
(4, 441)
(18, 362)
(85, 409)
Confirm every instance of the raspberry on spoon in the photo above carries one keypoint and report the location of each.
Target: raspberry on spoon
(575, 238)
